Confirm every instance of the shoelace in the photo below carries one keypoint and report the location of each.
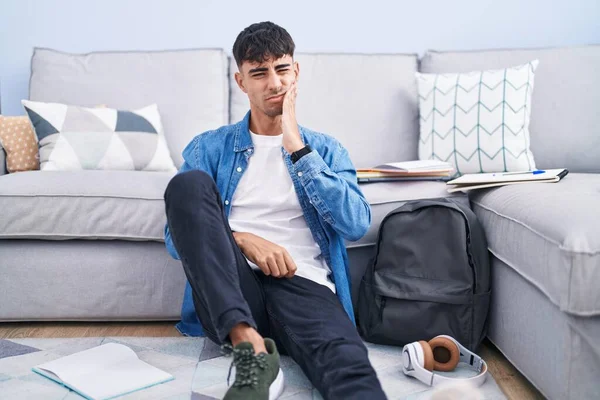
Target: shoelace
(246, 364)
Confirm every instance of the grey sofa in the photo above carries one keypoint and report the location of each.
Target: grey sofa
(88, 245)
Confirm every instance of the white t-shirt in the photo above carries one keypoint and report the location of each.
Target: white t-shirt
(265, 204)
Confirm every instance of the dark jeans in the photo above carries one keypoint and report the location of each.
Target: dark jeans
(305, 319)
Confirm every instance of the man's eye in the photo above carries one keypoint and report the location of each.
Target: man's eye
(258, 75)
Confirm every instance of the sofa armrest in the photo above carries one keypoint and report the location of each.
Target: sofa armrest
(2, 160)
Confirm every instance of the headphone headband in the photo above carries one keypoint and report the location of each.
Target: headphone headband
(413, 360)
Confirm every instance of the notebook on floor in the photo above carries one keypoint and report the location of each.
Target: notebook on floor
(487, 180)
(103, 372)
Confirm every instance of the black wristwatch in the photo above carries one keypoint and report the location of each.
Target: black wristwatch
(295, 156)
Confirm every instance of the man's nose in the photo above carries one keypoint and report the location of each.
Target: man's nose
(274, 82)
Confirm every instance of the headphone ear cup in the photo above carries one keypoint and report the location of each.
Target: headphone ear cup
(445, 354)
(428, 361)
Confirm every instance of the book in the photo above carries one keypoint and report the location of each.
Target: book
(488, 180)
(375, 174)
(364, 177)
(103, 372)
(400, 178)
(424, 170)
(411, 167)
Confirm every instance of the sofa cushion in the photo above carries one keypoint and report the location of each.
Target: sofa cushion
(549, 233)
(387, 196)
(129, 205)
(564, 113)
(189, 86)
(86, 204)
(367, 102)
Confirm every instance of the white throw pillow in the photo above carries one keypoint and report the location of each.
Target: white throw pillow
(477, 121)
(75, 138)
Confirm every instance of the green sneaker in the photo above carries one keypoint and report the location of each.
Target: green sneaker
(257, 377)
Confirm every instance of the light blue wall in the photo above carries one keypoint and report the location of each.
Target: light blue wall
(340, 26)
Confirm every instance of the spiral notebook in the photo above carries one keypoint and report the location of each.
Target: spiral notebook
(103, 372)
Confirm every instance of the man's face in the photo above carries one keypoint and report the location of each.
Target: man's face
(266, 83)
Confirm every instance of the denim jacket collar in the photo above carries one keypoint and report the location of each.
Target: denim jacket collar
(243, 140)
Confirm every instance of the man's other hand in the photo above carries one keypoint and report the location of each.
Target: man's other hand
(271, 258)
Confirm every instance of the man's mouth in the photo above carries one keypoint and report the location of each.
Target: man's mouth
(278, 97)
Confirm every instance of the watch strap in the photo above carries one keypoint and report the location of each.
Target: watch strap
(295, 156)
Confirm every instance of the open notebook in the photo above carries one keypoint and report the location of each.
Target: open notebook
(103, 372)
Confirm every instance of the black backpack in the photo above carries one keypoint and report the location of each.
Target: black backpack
(430, 276)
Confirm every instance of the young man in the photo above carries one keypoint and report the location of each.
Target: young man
(258, 214)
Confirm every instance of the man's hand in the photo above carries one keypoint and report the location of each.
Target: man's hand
(289, 126)
(271, 258)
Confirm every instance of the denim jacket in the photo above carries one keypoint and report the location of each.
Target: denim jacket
(325, 182)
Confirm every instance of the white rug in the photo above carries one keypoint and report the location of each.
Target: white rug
(198, 366)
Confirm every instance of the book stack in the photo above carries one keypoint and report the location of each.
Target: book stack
(406, 171)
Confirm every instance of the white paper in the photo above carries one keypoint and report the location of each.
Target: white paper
(121, 378)
(464, 188)
(499, 177)
(86, 361)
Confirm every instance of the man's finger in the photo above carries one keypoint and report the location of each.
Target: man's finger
(291, 265)
(272, 262)
(264, 267)
(283, 270)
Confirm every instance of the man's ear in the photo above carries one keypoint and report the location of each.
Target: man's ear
(297, 70)
(240, 81)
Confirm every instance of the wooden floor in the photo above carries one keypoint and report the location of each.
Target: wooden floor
(512, 383)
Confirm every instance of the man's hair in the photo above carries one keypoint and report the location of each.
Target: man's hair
(262, 41)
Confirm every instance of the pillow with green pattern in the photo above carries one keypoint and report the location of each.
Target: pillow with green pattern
(477, 121)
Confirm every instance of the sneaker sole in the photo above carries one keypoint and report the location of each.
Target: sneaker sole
(276, 388)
